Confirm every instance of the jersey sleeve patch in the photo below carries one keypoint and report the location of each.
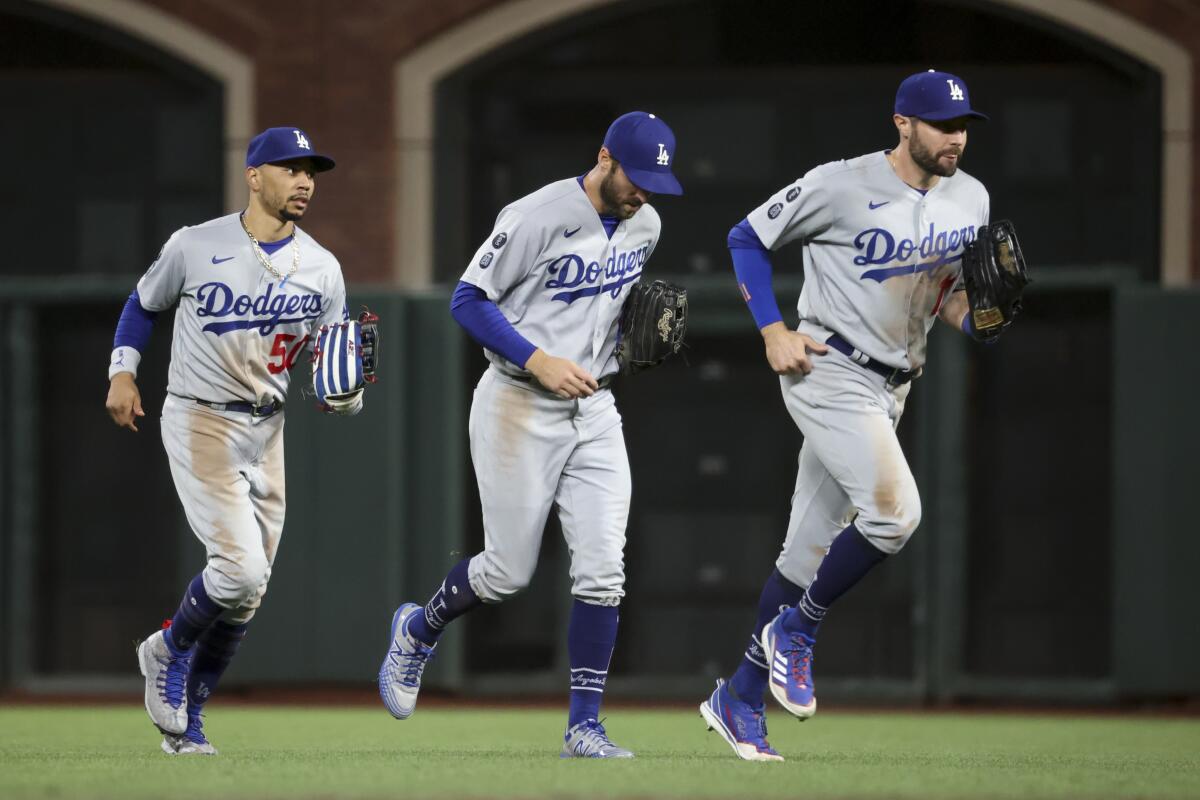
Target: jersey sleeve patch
(797, 211)
(506, 256)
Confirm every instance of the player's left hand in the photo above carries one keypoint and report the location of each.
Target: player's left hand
(788, 351)
(124, 402)
(562, 376)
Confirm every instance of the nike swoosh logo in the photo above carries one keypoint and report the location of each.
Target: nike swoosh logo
(216, 260)
(874, 206)
(569, 234)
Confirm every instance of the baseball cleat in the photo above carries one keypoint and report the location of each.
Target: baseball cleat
(790, 656)
(191, 742)
(400, 674)
(166, 681)
(740, 724)
(588, 739)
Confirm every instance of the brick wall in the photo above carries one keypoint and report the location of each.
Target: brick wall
(331, 71)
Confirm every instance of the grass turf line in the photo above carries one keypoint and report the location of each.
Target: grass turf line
(290, 752)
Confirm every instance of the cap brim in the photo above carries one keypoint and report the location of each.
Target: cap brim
(653, 182)
(942, 116)
(322, 163)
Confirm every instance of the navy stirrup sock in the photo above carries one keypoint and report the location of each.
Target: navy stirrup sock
(215, 648)
(453, 598)
(850, 557)
(591, 636)
(749, 682)
(197, 612)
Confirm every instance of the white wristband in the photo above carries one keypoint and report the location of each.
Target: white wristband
(124, 359)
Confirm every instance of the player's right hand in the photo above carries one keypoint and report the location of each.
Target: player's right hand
(124, 402)
(562, 376)
(788, 351)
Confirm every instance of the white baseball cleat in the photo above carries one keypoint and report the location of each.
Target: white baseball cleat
(588, 739)
(400, 673)
(191, 742)
(166, 683)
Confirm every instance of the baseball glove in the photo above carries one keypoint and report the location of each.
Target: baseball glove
(344, 359)
(995, 276)
(653, 324)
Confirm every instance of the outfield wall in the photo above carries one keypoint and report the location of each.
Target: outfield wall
(1053, 561)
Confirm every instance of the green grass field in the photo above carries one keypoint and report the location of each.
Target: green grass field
(291, 752)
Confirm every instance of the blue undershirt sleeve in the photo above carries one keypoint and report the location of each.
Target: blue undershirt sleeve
(752, 266)
(135, 326)
(480, 317)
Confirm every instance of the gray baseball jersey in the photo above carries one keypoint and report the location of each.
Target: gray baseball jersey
(239, 328)
(238, 331)
(880, 257)
(558, 278)
(554, 273)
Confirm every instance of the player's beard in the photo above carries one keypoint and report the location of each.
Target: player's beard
(279, 207)
(614, 205)
(291, 216)
(929, 161)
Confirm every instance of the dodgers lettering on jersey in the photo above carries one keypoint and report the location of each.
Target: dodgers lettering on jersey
(239, 329)
(553, 272)
(880, 258)
(577, 279)
(264, 313)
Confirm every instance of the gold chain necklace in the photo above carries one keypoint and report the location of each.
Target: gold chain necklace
(262, 256)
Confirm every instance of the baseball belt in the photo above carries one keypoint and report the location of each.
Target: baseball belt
(603, 383)
(893, 375)
(245, 408)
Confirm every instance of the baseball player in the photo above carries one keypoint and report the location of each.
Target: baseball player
(883, 237)
(543, 295)
(251, 288)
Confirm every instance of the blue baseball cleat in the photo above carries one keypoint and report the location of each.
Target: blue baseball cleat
(740, 724)
(790, 658)
(400, 674)
(588, 739)
(191, 742)
(166, 681)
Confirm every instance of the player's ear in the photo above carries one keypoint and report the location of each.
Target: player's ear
(253, 180)
(903, 125)
(604, 159)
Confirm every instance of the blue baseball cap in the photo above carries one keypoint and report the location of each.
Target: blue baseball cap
(283, 144)
(935, 96)
(644, 146)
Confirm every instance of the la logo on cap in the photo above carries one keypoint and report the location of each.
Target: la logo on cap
(643, 145)
(284, 143)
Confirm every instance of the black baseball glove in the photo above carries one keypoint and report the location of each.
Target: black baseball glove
(995, 277)
(653, 324)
